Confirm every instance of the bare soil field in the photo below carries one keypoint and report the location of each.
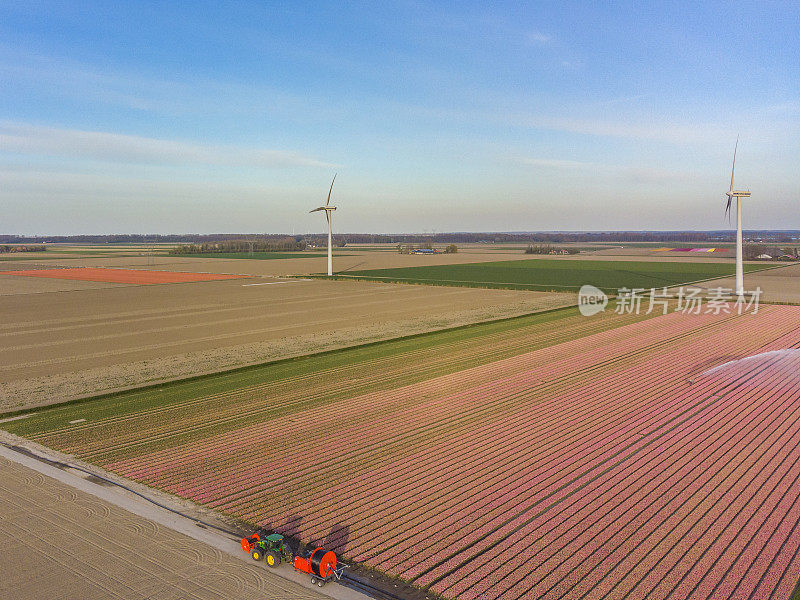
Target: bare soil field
(59, 542)
(781, 284)
(133, 276)
(57, 346)
(12, 285)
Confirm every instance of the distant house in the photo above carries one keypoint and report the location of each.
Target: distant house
(764, 257)
(788, 257)
(424, 251)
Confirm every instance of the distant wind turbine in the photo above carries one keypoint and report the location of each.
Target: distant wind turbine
(328, 210)
(738, 194)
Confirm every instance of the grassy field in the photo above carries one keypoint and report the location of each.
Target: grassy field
(555, 274)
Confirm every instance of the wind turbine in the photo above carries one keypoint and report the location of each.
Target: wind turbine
(738, 194)
(328, 210)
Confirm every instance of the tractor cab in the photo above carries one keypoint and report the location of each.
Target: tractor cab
(272, 548)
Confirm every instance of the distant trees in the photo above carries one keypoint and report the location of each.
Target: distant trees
(601, 237)
(242, 246)
(428, 246)
(8, 249)
(753, 251)
(548, 249)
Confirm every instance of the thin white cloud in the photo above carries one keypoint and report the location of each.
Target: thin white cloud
(624, 100)
(537, 38)
(663, 130)
(790, 107)
(645, 175)
(556, 163)
(23, 138)
(669, 132)
(203, 97)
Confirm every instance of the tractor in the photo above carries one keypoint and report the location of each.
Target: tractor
(272, 548)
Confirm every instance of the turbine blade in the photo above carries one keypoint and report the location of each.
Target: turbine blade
(330, 190)
(734, 162)
(728, 209)
(328, 214)
(316, 209)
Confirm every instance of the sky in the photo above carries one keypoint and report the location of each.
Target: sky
(173, 117)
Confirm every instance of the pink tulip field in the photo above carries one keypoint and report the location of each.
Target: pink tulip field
(652, 460)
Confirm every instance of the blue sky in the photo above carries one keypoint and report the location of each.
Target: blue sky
(233, 117)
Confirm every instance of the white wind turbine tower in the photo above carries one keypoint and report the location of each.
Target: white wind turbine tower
(328, 210)
(738, 194)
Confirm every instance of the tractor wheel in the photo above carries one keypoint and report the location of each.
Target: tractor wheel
(313, 580)
(273, 558)
(321, 582)
(257, 554)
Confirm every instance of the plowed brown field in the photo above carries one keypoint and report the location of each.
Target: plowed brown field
(59, 542)
(58, 345)
(135, 276)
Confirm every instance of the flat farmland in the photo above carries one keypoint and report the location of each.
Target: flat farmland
(254, 255)
(554, 457)
(781, 284)
(346, 260)
(556, 274)
(61, 344)
(59, 542)
(279, 264)
(130, 276)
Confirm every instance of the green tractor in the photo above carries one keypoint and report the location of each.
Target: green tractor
(272, 548)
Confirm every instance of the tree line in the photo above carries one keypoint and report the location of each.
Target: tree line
(779, 236)
(753, 251)
(5, 248)
(550, 249)
(241, 246)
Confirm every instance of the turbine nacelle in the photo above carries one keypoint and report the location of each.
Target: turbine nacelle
(323, 208)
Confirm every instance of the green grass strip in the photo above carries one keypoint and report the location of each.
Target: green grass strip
(555, 275)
